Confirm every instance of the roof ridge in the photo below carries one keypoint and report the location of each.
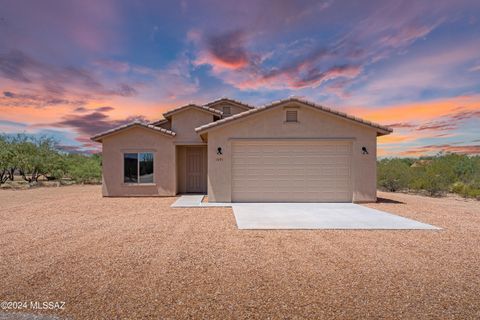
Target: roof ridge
(193, 105)
(232, 100)
(130, 124)
(294, 99)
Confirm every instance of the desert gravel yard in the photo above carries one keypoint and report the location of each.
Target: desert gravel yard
(112, 258)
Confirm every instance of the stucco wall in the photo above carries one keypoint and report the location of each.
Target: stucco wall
(138, 140)
(185, 122)
(311, 124)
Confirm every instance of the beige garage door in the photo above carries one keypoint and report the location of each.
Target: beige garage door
(291, 170)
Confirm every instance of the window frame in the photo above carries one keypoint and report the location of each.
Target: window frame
(229, 109)
(138, 183)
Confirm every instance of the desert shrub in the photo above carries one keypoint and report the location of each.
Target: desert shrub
(33, 157)
(471, 190)
(84, 168)
(438, 176)
(435, 175)
(393, 174)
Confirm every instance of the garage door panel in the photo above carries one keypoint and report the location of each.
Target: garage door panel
(291, 171)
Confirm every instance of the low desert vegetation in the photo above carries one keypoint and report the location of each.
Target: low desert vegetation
(434, 176)
(32, 159)
(28, 158)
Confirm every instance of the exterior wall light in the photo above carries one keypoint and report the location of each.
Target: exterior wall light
(364, 150)
(219, 151)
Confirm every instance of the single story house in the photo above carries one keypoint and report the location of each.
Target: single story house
(287, 151)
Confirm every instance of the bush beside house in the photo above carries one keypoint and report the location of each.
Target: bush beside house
(27, 160)
(437, 175)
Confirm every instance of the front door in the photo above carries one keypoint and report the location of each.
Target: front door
(196, 169)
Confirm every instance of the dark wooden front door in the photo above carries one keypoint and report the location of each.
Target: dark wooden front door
(196, 169)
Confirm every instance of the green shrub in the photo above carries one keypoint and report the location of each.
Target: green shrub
(455, 173)
(437, 177)
(393, 174)
(83, 168)
(466, 190)
(33, 157)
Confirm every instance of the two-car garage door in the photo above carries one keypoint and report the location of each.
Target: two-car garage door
(291, 171)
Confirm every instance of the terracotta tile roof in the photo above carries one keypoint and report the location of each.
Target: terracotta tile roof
(383, 129)
(100, 136)
(203, 108)
(239, 103)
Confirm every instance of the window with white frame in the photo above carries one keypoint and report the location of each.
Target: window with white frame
(291, 116)
(138, 167)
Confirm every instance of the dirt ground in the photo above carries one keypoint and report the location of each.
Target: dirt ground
(136, 258)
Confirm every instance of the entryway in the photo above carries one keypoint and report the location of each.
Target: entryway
(192, 169)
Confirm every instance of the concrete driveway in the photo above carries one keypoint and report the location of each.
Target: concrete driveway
(319, 216)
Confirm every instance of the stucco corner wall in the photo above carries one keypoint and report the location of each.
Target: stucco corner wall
(138, 140)
(312, 125)
(185, 122)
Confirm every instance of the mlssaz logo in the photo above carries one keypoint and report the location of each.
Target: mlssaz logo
(47, 305)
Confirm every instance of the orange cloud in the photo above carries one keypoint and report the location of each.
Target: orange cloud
(219, 64)
(418, 111)
(467, 149)
(399, 138)
(395, 138)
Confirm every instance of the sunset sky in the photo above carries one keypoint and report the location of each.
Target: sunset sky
(70, 69)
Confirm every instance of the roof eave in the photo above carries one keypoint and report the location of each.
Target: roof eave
(246, 114)
(158, 122)
(99, 137)
(212, 111)
(235, 102)
(381, 132)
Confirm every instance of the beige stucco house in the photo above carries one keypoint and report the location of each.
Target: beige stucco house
(288, 151)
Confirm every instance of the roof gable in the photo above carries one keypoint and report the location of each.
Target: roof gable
(99, 137)
(215, 112)
(230, 101)
(381, 130)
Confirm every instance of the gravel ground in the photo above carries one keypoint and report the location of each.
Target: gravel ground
(138, 258)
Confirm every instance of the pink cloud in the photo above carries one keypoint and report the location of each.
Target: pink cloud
(231, 61)
(302, 77)
(407, 35)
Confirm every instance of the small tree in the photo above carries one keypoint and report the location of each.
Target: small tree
(35, 157)
(6, 157)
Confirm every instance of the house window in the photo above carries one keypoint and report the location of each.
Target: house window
(227, 110)
(291, 116)
(138, 167)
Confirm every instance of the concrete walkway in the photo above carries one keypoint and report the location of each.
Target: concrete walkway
(307, 215)
(320, 216)
(195, 201)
